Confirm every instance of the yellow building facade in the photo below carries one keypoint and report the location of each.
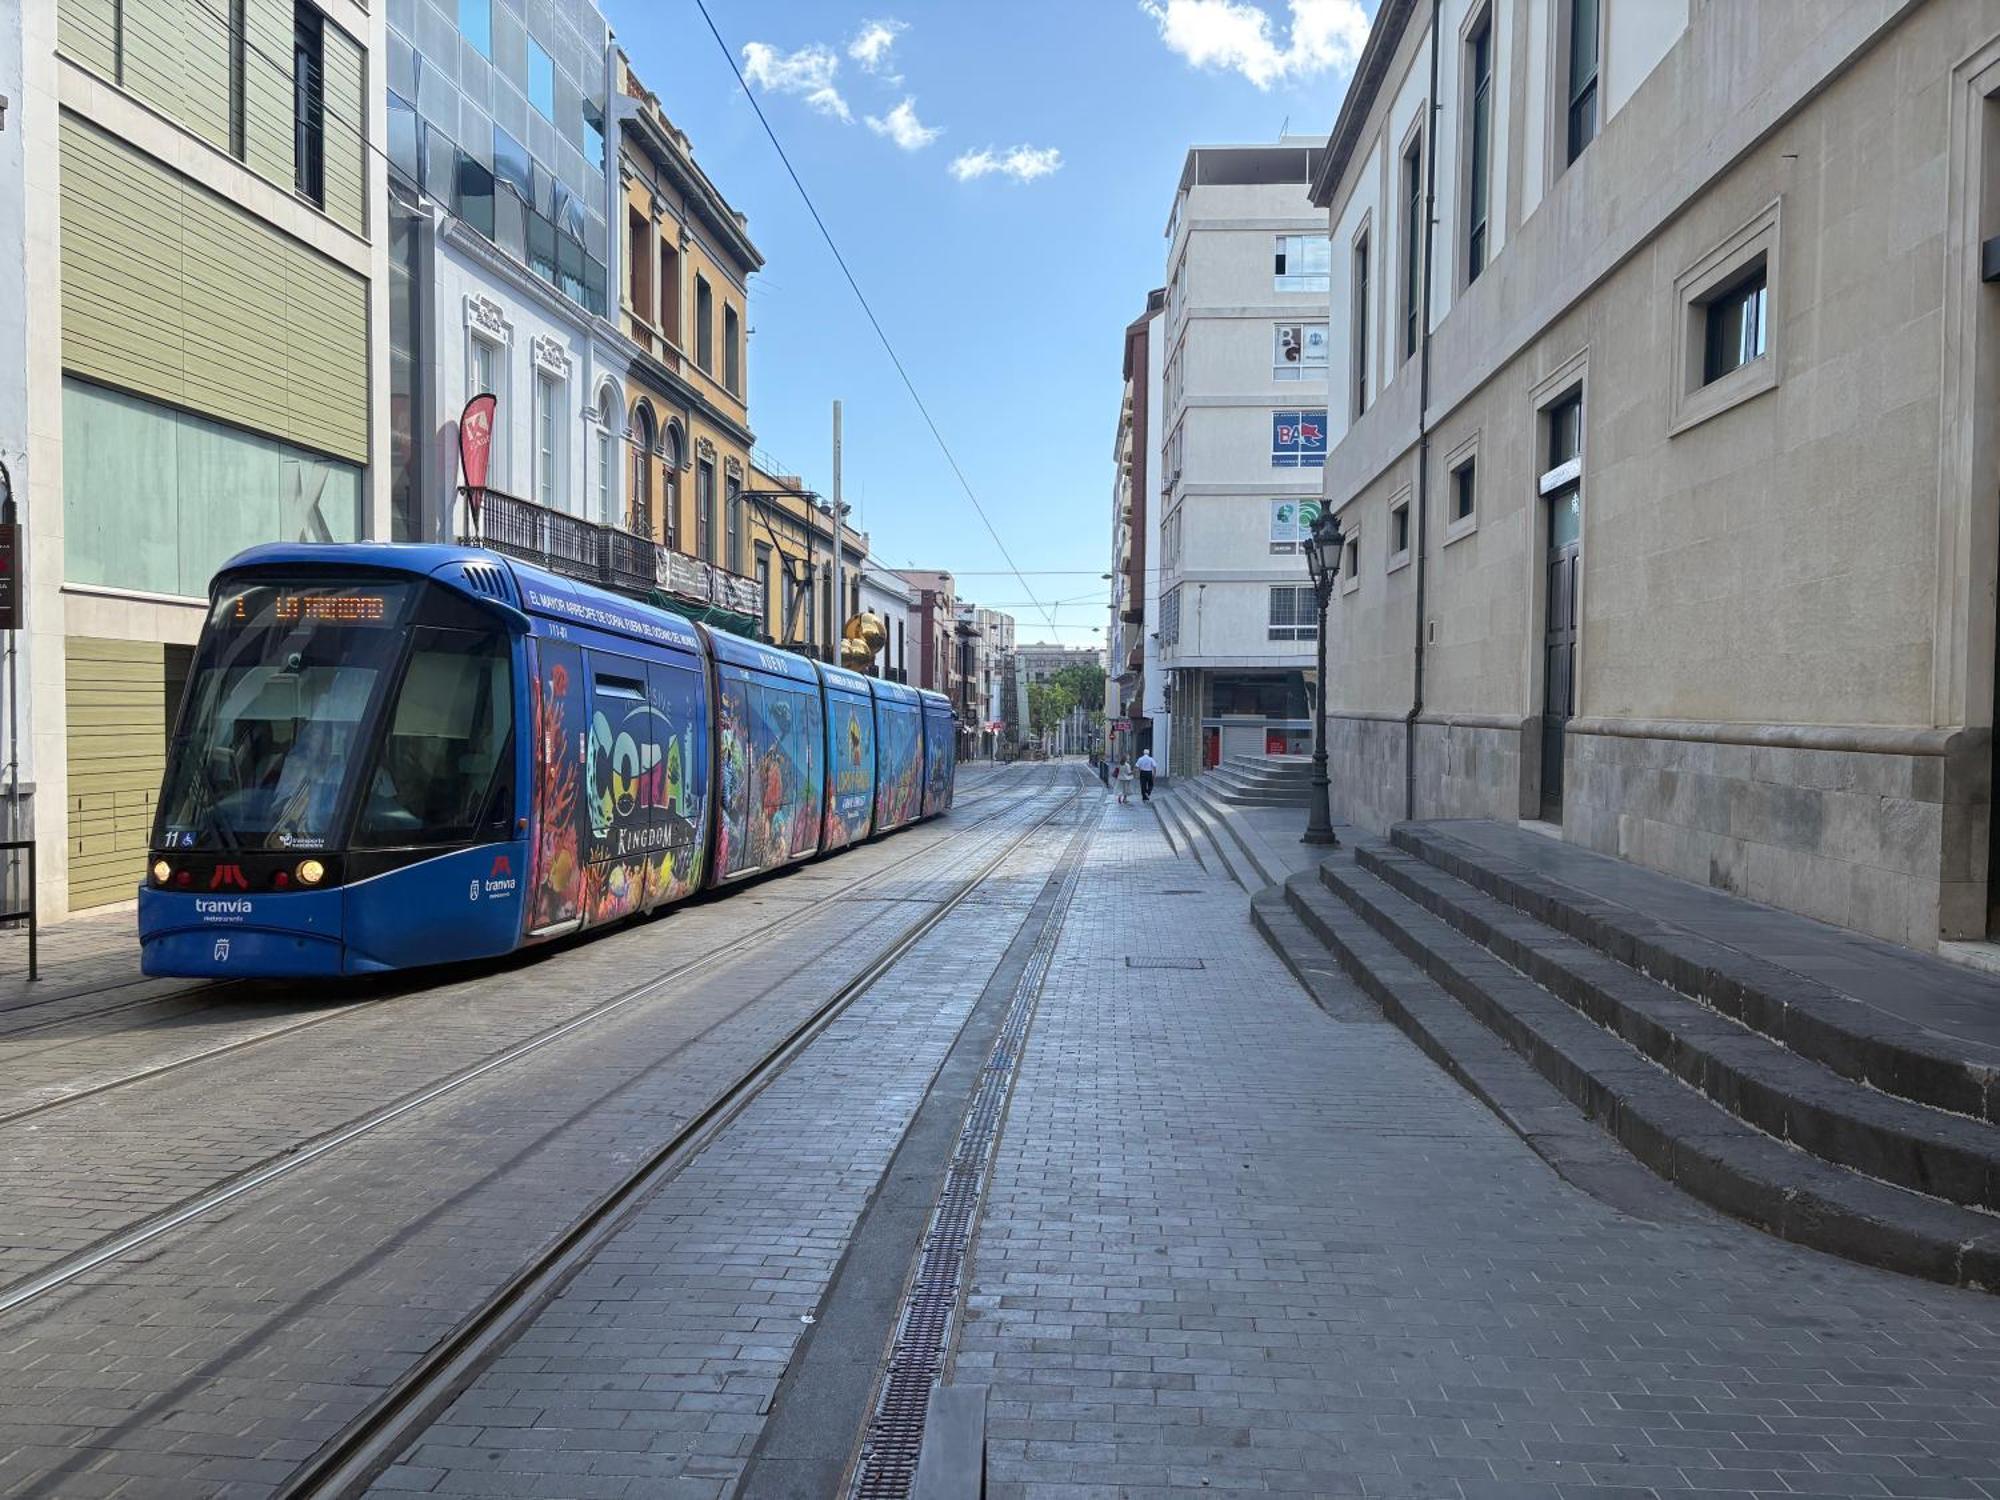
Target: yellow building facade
(687, 258)
(788, 538)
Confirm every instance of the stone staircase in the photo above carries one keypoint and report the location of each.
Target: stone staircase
(1261, 780)
(1202, 824)
(1835, 1091)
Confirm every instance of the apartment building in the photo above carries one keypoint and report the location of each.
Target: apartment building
(886, 595)
(202, 260)
(1664, 434)
(934, 630)
(788, 533)
(985, 647)
(1243, 437)
(684, 301)
(1135, 685)
(501, 194)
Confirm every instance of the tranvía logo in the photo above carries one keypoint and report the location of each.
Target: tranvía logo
(500, 881)
(223, 906)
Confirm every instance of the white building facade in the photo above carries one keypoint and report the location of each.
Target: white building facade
(1242, 441)
(559, 374)
(889, 598)
(1136, 687)
(1669, 458)
(504, 191)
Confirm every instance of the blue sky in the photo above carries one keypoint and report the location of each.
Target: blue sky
(1004, 254)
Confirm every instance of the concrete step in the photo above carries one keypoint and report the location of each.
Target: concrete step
(1251, 792)
(1281, 771)
(1745, 1072)
(1189, 837)
(1831, 1027)
(1255, 864)
(1459, 1001)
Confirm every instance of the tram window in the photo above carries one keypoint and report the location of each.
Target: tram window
(445, 768)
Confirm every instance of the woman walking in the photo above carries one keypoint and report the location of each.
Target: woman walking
(1124, 781)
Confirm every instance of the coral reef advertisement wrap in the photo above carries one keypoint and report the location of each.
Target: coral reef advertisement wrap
(622, 762)
(771, 737)
(851, 754)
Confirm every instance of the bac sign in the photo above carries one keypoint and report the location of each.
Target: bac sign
(1298, 439)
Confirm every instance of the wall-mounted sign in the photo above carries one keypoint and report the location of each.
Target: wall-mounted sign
(1298, 439)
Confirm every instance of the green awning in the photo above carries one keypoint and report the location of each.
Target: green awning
(708, 614)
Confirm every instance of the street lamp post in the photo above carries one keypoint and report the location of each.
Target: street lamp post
(1323, 551)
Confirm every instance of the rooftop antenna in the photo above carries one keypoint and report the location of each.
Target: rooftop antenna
(1285, 128)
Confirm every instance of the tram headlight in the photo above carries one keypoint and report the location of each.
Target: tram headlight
(162, 871)
(311, 872)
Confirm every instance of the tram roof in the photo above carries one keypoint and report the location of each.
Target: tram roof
(540, 592)
(843, 679)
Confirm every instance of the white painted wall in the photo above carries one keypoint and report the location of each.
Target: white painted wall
(1222, 412)
(1154, 702)
(533, 325)
(884, 594)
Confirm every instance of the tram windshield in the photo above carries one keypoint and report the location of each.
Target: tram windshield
(278, 700)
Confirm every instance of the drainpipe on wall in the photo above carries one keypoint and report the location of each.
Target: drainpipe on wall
(1422, 501)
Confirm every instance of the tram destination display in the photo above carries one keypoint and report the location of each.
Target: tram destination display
(310, 606)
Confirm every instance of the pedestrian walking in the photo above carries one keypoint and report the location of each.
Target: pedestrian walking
(1125, 781)
(1147, 766)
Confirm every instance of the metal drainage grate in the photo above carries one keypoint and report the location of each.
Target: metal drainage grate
(1164, 963)
(888, 1464)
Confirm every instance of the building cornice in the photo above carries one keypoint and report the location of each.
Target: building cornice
(671, 157)
(1369, 75)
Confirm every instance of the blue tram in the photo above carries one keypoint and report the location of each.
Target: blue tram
(390, 756)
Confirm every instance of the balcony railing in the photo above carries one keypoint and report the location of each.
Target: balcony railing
(609, 556)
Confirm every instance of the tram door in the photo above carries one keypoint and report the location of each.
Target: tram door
(1562, 485)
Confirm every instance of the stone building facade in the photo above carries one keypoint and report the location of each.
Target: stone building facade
(1668, 456)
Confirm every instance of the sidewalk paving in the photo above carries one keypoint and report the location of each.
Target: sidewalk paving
(92, 951)
(1233, 1243)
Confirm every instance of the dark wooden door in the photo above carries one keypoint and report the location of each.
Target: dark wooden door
(1559, 644)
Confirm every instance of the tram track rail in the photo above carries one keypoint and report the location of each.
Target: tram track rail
(273, 1166)
(362, 1006)
(348, 1462)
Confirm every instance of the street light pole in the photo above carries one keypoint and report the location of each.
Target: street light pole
(1323, 551)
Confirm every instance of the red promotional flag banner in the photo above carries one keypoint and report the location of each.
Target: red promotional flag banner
(475, 447)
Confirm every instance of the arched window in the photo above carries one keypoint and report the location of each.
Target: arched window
(640, 515)
(673, 455)
(607, 455)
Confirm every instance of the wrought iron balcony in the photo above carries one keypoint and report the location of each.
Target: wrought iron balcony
(610, 556)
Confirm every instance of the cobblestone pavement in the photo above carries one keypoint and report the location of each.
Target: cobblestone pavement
(1230, 1243)
(653, 1371)
(215, 1361)
(1233, 1244)
(69, 1177)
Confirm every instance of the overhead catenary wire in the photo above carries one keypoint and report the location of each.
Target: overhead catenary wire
(855, 286)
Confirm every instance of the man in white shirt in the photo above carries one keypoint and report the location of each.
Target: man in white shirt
(1147, 766)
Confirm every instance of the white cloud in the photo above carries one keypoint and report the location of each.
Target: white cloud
(1022, 163)
(808, 72)
(902, 126)
(1236, 36)
(873, 41)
